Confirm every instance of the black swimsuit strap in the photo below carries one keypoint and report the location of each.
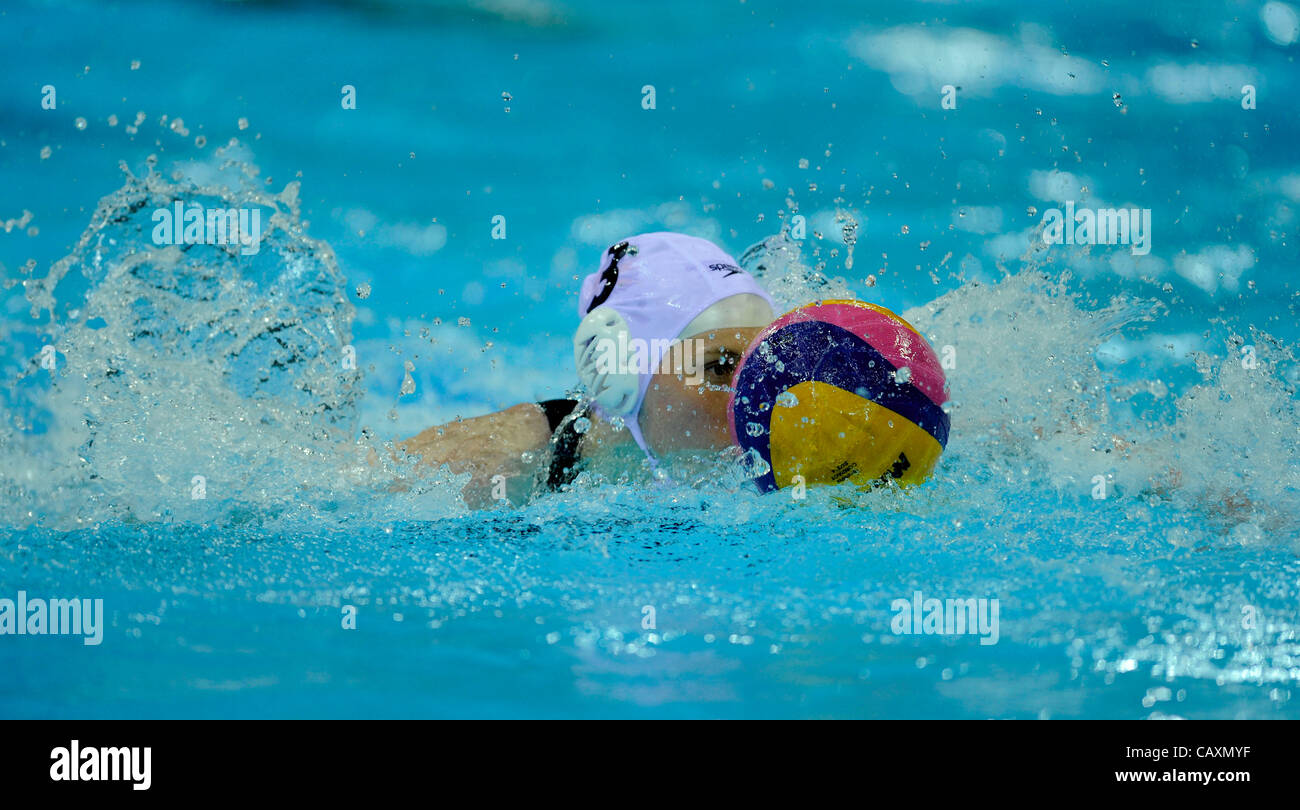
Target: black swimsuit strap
(564, 461)
(556, 410)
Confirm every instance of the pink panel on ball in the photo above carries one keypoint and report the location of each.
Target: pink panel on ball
(893, 337)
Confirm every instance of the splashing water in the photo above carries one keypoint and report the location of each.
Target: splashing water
(196, 383)
(198, 387)
(1028, 393)
(777, 263)
(193, 382)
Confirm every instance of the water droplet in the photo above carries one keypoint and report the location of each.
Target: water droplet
(753, 465)
(754, 429)
(786, 399)
(363, 291)
(80, 123)
(581, 425)
(903, 375)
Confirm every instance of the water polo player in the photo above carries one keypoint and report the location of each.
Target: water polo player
(664, 322)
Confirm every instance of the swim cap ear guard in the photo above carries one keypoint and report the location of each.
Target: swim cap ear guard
(609, 381)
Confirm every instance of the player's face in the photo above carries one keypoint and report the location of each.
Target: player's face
(688, 410)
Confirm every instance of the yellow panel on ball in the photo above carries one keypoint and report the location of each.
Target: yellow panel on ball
(829, 435)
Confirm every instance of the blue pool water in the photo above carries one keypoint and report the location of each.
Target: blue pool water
(1122, 471)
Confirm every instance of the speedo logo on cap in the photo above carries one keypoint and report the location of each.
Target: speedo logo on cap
(729, 269)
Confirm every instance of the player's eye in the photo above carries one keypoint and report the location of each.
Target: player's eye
(722, 366)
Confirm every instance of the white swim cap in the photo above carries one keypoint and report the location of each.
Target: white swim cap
(650, 290)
